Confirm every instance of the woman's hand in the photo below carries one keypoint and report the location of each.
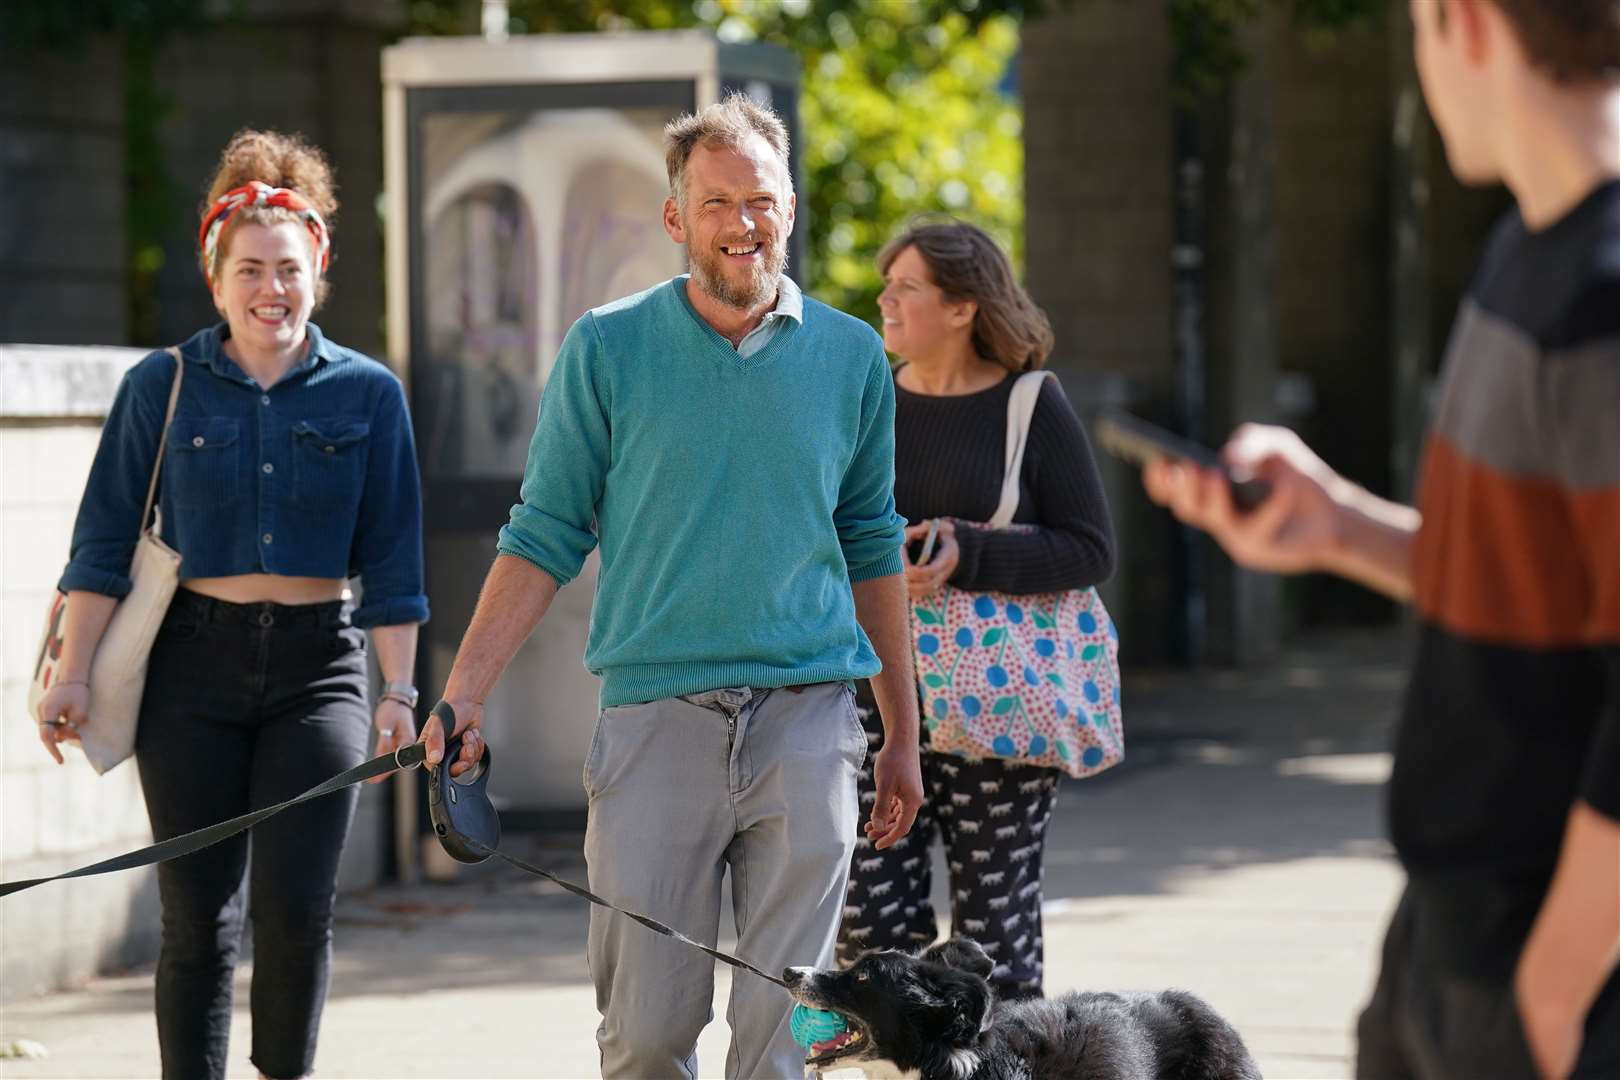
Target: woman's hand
(927, 579)
(396, 727)
(61, 712)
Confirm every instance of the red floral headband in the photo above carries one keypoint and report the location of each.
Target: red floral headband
(258, 193)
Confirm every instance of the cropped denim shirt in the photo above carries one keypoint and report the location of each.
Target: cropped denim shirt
(314, 477)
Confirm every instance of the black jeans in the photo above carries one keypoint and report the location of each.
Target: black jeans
(247, 705)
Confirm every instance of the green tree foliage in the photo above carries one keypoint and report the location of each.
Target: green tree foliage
(903, 113)
(906, 109)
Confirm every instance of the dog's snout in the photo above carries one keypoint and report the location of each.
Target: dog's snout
(793, 976)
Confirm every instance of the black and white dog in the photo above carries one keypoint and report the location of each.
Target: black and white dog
(934, 1017)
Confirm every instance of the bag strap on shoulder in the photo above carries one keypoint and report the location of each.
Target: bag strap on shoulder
(1020, 408)
(163, 441)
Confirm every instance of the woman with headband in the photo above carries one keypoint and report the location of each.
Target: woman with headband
(289, 467)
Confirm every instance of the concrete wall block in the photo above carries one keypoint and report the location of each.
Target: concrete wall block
(36, 548)
(61, 933)
(22, 624)
(19, 744)
(70, 818)
(19, 816)
(44, 467)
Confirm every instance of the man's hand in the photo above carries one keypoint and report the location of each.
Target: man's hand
(469, 721)
(928, 578)
(1553, 1037)
(1313, 518)
(1293, 531)
(1574, 945)
(897, 772)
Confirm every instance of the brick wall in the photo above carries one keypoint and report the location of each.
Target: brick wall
(1095, 80)
(315, 76)
(62, 247)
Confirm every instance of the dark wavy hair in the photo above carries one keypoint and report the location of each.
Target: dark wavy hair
(967, 264)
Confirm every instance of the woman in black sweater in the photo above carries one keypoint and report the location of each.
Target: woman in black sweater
(963, 330)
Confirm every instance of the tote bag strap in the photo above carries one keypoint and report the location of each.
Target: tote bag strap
(163, 441)
(1020, 407)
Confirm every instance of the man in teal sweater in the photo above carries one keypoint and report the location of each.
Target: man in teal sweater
(729, 444)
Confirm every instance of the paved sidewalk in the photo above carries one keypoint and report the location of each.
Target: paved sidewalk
(1238, 853)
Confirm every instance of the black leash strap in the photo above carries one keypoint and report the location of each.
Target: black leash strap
(652, 924)
(406, 757)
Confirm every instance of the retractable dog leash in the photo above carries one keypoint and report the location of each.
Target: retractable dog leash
(464, 819)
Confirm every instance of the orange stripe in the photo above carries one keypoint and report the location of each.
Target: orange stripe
(1597, 528)
(1515, 560)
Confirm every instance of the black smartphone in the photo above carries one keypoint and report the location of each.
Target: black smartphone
(1139, 442)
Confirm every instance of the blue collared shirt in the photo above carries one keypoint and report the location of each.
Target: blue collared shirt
(314, 477)
(789, 305)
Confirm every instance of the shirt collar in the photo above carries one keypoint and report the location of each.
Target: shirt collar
(789, 300)
(208, 347)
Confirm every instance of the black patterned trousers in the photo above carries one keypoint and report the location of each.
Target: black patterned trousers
(992, 818)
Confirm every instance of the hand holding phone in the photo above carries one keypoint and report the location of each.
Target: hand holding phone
(1139, 442)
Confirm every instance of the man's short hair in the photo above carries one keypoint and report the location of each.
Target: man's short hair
(726, 123)
(1571, 41)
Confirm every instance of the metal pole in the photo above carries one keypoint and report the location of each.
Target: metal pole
(496, 18)
(1187, 262)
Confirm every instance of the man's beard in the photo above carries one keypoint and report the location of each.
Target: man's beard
(709, 271)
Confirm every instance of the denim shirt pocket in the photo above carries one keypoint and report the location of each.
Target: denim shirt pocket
(329, 463)
(203, 466)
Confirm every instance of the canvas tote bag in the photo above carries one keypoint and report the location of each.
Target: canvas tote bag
(118, 671)
(1032, 679)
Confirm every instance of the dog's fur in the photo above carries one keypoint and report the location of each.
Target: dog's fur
(933, 1016)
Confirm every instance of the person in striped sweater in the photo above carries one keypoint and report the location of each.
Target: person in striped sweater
(1504, 804)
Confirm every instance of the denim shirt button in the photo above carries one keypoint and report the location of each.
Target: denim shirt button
(264, 399)
(197, 440)
(268, 538)
(331, 449)
(268, 468)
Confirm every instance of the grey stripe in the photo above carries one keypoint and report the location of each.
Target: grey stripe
(1583, 398)
(1508, 406)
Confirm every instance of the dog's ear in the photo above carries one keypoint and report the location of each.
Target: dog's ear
(969, 1000)
(961, 953)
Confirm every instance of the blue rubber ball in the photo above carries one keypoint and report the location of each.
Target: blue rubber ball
(811, 1026)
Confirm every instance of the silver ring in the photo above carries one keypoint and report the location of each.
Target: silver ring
(387, 732)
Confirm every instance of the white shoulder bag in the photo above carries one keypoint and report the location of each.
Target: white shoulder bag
(118, 672)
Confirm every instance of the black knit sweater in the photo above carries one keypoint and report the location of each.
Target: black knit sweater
(949, 455)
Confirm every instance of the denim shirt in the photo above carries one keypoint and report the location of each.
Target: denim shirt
(315, 477)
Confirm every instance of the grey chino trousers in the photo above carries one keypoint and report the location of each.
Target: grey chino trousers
(679, 789)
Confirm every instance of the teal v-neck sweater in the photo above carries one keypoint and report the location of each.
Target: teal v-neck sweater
(735, 499)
